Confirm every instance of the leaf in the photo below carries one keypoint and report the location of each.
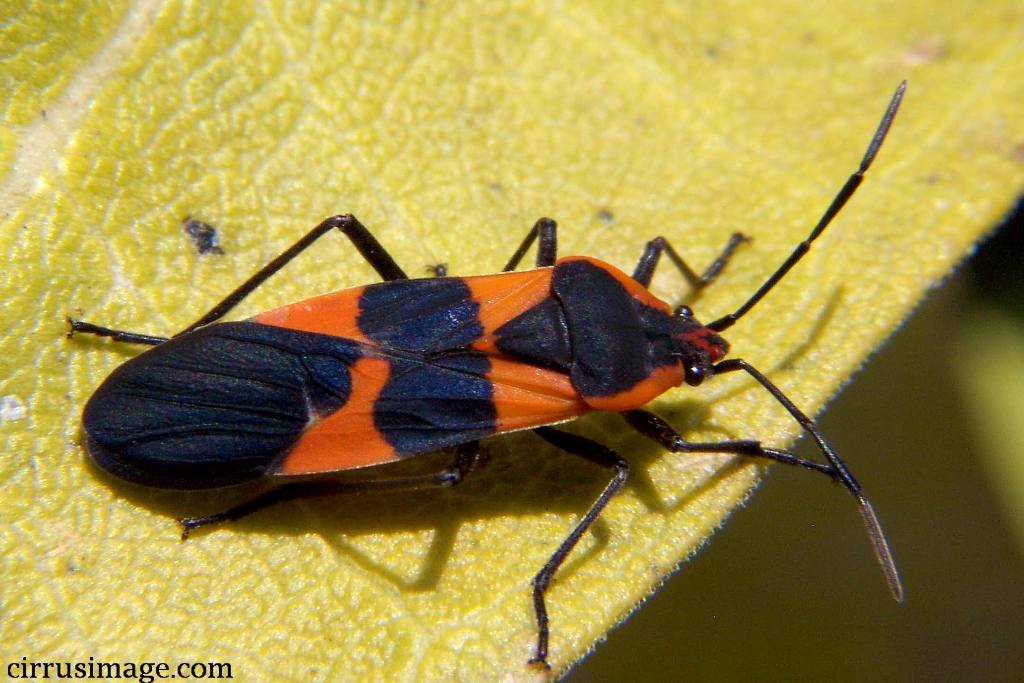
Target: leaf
(989, 377)
(448, 128)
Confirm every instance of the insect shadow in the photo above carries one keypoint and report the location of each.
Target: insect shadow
(520, 476)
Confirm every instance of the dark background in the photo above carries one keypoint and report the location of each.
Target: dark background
(788, 590)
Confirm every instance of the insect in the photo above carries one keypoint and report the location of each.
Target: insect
(375, 374)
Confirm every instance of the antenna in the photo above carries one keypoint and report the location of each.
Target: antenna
(851, 185)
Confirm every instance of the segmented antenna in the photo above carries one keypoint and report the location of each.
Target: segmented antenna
(851, 185)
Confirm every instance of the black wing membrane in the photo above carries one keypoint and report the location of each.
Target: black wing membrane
(437, 394)
(428, 316)
(216, 406)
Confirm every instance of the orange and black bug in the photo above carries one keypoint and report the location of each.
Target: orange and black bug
(380, 373)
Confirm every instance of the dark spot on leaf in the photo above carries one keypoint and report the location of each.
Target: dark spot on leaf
(203, 235)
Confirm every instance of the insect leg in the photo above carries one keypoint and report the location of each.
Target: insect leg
(364, 242)
(116, 335)
(653, 250)
(656, 429)
(599, 455)
(547, 250)
(467, 457)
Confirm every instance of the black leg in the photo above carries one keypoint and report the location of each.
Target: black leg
(364, 242)
(653, 250)
(116, 335)
(467, 457)
(547, 249)
(599, 455)
(656, 429)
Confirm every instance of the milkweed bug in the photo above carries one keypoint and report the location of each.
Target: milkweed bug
(392, 370)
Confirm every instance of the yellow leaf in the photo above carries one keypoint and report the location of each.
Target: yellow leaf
(990, 377)
(448, 128)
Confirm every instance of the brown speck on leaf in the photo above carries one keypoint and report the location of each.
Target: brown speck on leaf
(1018, 152)
(926, 50)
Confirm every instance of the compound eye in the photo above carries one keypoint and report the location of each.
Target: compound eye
(684, 311)
(694, 374)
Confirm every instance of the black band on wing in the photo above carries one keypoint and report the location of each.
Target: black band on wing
(427, 316)
(437, 394)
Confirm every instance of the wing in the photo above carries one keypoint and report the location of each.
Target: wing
(216, 406)
(351, 379)
(435, 377)
(429, 315)
(402, 406)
